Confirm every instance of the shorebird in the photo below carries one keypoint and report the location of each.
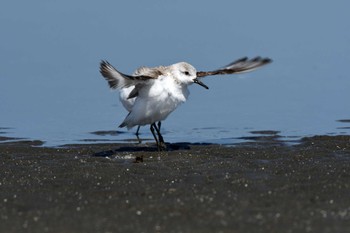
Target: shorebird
(128, 103)
(153, 93)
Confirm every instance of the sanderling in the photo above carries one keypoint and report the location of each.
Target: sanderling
(128, 103)
(151, 94)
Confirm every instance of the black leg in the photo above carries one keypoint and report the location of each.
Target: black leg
(154, 135)
(159, 124)
(162, 144)
(161, 140)
(137, 134)
(137, 131)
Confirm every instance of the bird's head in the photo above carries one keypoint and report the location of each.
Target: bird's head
(186, 74)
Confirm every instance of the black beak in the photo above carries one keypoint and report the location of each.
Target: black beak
(196, 80)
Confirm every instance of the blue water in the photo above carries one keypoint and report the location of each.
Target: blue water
(51, 89)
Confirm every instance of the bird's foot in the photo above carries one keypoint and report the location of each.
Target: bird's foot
(138, 139)
(161, 146)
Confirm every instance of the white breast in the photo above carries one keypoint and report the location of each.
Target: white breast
(155, 102)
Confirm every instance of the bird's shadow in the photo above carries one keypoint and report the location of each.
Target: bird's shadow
(129, 148)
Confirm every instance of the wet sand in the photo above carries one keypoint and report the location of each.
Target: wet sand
(261, 186)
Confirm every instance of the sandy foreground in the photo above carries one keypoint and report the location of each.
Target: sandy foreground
(262, 186)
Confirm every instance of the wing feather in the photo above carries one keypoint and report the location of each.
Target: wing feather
(117, 80)
(239, 66)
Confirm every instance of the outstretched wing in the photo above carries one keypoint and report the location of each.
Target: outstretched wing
(239, 66)
(117, 80)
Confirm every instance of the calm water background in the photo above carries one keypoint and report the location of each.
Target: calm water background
(51, 89)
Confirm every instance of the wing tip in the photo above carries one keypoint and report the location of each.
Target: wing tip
(257, 60)
(265, 60)
(105, 69)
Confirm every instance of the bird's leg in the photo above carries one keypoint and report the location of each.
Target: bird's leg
(137, 134)
(160, 137)
(137, 131)
(154, 135)
(159, 125)
(161, 140)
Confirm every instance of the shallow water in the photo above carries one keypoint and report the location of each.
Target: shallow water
(51, 89)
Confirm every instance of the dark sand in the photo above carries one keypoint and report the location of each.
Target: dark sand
(263, 186)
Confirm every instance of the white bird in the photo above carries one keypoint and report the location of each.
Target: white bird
(128, 103)
(156, 92)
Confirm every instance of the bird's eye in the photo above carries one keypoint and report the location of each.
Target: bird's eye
(186, 73)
